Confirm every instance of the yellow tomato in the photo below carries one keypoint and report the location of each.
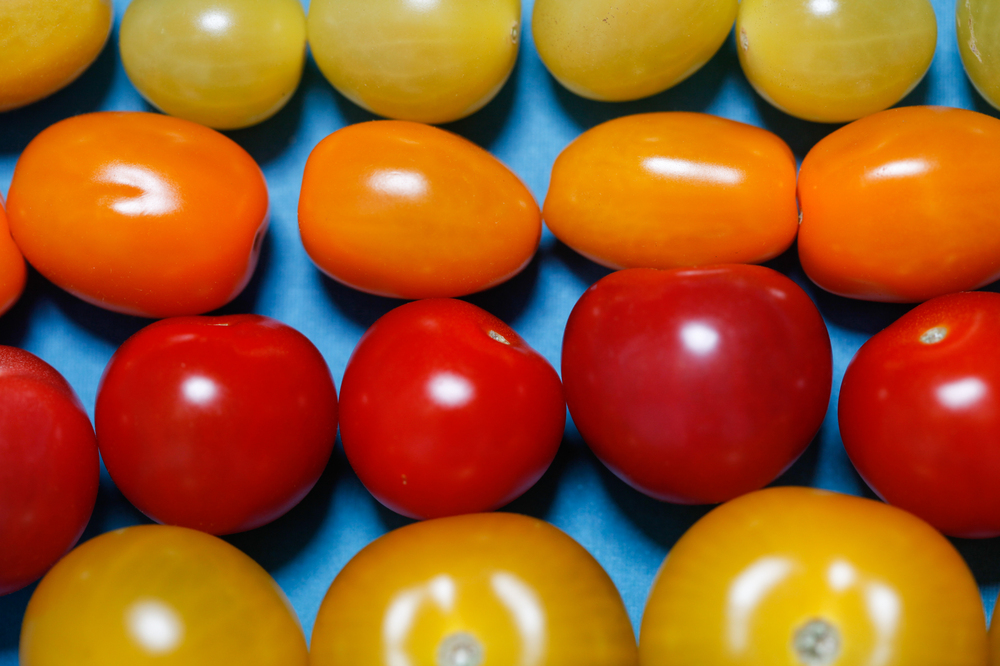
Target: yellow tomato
(159, 595)
(803, 577)
(977, 23)
(432, 61)
(832, 61)
(494, 588)
(663, 190)
(46, 44)
(222, 63)
(13, 273)
(617, 50)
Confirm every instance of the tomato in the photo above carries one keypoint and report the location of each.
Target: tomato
(469, 590)
(903, 206)
(697, 385)
(222, 63)
(611, 51)
(218, 423)
(429, 61)
(920, 412)
(662, 190)
(13, 274)
(977, 23)
(47, 44)
(445, 410)
(802, 577)
(402, 209)
(152, 594)
(48, 468)
(994, 637)
(830, 61)
(155, 216)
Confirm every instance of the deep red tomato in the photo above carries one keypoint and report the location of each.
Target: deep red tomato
(221, 424)
(920, 413)
(48, 468)
(446, 410)
(697, 385)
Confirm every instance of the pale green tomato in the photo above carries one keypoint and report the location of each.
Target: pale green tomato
(617, 50)
(430, 61)
(833, 61)
(978, 25)
(221, 63)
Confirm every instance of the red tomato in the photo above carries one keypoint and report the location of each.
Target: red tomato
(697, 385)
(13, 273)
(221, 424)
(920, 413)
(48, 468)
(446, 410)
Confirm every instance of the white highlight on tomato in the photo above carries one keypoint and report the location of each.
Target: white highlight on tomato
(961, 393)
(450, 390)
(156, 195)
(673, 167)
(883, 607)
(699, 338)
(529, 616)
(747, 591)
(199, 390)
(400, 183)
(155, 626)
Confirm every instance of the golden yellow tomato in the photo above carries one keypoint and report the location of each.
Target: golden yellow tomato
(432, 61)
(13, 273)
(473, 590)
(977, 23)
(221, 63)
(616, 50)
(160, 595)
(46, 44)
(803, 577)
(833, 61)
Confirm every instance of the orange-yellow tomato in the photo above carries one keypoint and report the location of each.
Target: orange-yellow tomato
(664, 190)
(46, 44)
(401, 209)
(476, 589)
(995, 635)
(160, 595)
(903, 205)
(139, 213)
(803, 577)
(13, 273)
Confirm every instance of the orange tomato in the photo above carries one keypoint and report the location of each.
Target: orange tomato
(13, 273)
(803, 577)
(401, 209)
(494, 588)
(903, 205)
(664, 190)
(139, 213)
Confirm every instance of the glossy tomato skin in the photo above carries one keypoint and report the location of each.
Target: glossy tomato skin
(977, 26)
(505, 588)
(794, 576)
(13, 272)
(48, 468)
(903, 205)
(156, 216)
(663, 190)
(697, 385)
(155, 594)
(920, 413)
(221, 424)
(401, 209)
(446, 410)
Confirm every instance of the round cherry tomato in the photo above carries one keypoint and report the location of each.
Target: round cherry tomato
(155, 217)
(406, 210)
(904, 205)
(169, 596)
(662, 190)
(47, 44)
(611, 51)
(920, 413)
(445, 410)
(48, 468)
(832, 61)
(977, 24)
(432, 62)
(803, 577)
(697, 385)
(13, 273)
(217, 423)
(472, 590)
(222, 63)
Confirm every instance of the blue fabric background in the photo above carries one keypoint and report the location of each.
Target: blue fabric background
(526, 126)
